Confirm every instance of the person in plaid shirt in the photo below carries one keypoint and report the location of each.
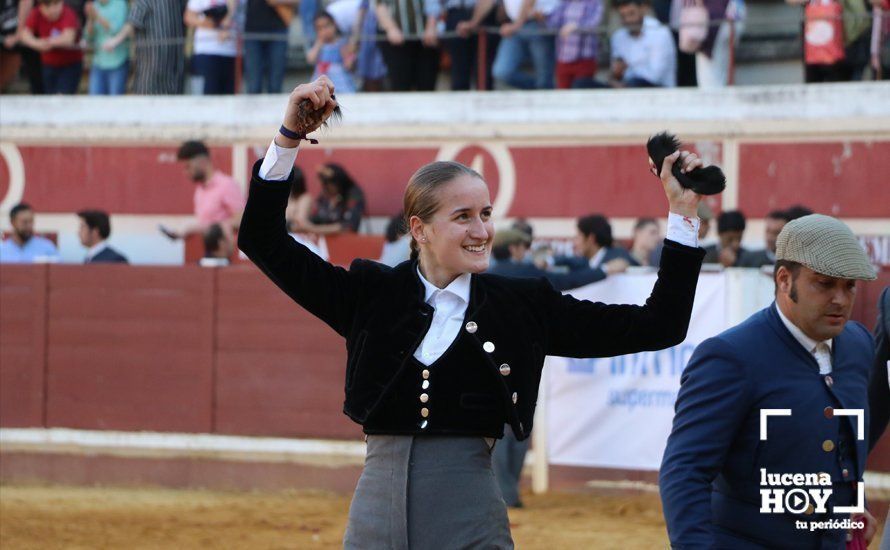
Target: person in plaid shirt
(577, 45)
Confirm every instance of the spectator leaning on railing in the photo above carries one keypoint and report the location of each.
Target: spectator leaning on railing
(411, 64)
(110, 68)
(577, 46)
(215, 48)
(265, 44)
(159, 38)
(464, 17)
(53, 30)
(331, 54)
(643, 52)
(525, 38)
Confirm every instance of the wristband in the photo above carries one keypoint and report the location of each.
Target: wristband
(290, 134)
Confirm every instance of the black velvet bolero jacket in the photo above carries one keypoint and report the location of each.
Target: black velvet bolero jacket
(490, 374)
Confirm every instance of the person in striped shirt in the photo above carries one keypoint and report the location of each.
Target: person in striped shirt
(577, 44)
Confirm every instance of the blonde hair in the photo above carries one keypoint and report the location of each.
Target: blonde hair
(422, 193)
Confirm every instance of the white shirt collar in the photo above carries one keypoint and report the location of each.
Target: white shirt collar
(598, 258)
(96, 248)
(808, 343)
(459, 287)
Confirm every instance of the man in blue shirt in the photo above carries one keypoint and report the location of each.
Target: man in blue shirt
(23, 246)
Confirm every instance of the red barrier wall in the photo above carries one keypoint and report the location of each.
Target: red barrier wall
(23, 321)
(182, 349)
(130, 348)
(279, 370)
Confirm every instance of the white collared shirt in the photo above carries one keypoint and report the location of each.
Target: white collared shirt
(450, 305)
(821, 351)
(95, 249)
(598, 258)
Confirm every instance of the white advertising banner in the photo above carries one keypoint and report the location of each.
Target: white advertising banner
(616, 412)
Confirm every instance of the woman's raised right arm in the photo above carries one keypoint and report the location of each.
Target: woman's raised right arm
(329, 292)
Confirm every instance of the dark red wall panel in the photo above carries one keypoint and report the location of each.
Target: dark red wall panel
(23, 305)
(279, 370)
(843, 179)
(130, 348)
(128, 180)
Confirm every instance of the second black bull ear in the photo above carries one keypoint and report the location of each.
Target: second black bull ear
(709, 180)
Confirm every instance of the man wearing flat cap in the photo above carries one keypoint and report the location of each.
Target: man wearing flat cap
(759, 401)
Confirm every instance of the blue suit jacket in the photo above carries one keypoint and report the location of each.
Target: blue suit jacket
(108, 255)
(710, 473)
(879, 389)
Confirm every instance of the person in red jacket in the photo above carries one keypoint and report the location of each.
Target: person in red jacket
(54, 30)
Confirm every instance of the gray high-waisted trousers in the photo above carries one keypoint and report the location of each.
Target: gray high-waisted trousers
(427, 493)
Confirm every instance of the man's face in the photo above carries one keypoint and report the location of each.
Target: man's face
(197, 168)
(23, 225)
(731, 240)
(818, 304)
(584, 245)
(518, 251)
(631, 17)
(773, 228)
(52, 11)
(88, 237)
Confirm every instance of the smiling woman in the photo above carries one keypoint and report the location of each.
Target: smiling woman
(441, 355)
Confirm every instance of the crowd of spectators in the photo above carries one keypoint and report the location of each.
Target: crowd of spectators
(398, 45)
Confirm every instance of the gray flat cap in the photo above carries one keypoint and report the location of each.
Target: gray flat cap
(826, 245)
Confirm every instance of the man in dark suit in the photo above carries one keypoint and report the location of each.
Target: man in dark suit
(95, 228)
(728, 250)
(593, 246)
(774, 223)
(510, 249)
(802, 359)
(879, 385)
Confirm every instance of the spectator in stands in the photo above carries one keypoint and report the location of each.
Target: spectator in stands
(218, 199)
(12, 13)
(594, 247)
(218, 247)
(298, 212)
(299, 203)
(577, 46)
(54, 31)
(94, 230)
(265, 57)
(524, 38)
(464, 17)
(668, 13)
(643, 51)
(773, 225)
(712, 59)
(730, 230)
(159, 35)
(397, 247)
(522, 224)
(411, 64)
(110, 68)
(370, 67)
(215, 47)
(646, 237)
(330, 53)
(340, 206)
(856, 24)
(23, 246)
(511, 250)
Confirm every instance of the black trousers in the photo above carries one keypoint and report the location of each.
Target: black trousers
(464, 52)
(411, 66)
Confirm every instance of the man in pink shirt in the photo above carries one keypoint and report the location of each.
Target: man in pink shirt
(218, 199)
